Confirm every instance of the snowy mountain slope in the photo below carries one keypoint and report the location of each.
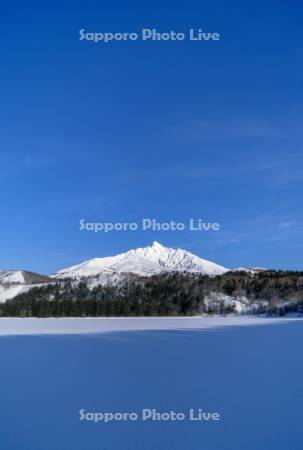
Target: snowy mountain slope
(10, 291)
(22, 277)
(11, 277)
(113, 269)
(145, 261)
(14, 282)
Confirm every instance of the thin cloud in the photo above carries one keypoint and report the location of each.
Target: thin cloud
(224, 130)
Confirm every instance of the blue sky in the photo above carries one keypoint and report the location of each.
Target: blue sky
(170, 130)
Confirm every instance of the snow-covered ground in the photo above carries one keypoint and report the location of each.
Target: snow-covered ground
(10, 291)
(17, 326)
(251, 375)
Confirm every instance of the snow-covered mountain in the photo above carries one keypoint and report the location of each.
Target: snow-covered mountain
(14, 282)
(145, 261)
(113, 269)
(22, 277)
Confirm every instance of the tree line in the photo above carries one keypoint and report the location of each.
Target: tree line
(166, 294)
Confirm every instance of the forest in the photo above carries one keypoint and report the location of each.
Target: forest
(167, 294)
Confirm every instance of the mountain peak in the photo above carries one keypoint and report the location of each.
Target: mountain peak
(157, 245)
(145, 261)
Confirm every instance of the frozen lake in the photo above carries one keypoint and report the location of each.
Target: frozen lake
(248, 370)
(16, 326)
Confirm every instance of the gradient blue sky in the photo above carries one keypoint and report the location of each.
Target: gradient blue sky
(169, 130)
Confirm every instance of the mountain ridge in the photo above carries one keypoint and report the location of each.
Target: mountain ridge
(116, 270)
(144, 261)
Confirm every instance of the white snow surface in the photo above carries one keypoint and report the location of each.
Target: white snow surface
(252, 270)
(241, 304)
(250, 375)
(145, 261)
(11, 277)
(10, 291)
(12, 283)
(21, 326)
